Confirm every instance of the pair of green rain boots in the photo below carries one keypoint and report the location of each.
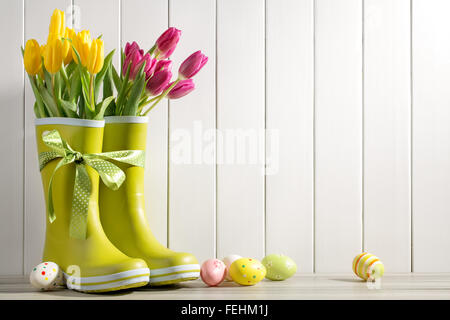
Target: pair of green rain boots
(119, 251)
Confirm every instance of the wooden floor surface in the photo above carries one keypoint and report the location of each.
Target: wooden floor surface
(401, 286)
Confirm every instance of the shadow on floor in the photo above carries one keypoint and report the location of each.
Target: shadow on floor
(349, 280)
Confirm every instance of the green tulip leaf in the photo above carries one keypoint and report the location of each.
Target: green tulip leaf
(123, 92)
(132, 104)
(116, 79)
(75, 86)
(50, 103)
(101, 75)
(70, 108)
(101, 107)
(39, 103)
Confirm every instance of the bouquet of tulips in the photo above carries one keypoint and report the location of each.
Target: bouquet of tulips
(146, 79)
(69, 71)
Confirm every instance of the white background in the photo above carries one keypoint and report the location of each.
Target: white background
(359, 92)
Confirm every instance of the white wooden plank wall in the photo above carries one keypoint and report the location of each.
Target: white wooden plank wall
(338, 135)
(241, 113)
(354, 99)
(12, 142)
(431, 135)
(387, 132)
(192, 175)
(290, 107)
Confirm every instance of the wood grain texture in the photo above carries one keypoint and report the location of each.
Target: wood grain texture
(12, 141)
(240, 114)
(299, 287)
(338, 114)
(102, 17)
(37, 20)
(192, 128)
(431, 135)
(289, 144)
(387, 106)
(154, 16)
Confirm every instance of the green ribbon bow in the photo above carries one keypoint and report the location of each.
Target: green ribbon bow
(111, 175)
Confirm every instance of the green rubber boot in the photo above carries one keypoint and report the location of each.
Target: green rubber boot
(93, 264)
(122, 212)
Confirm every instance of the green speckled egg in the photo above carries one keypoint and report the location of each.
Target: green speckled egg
(279, 267)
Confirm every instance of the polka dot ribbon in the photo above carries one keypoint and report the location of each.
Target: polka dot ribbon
(111, 175)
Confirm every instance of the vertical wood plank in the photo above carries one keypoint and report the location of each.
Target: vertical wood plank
(289, 160)
(431, 135)
(102, 17)
(143, 21)
(387, 131)
(192, 182)
(338, 216)
(11, 144)
(37, 20)
(240, 113)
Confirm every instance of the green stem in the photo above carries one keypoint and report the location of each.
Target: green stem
(162, 96)
(91, 90)
(39, 102)
(54, 95)
(66, 79)
(152, 49)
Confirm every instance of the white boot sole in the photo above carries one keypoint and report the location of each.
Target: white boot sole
(111, 282)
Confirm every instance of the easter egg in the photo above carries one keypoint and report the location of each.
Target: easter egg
(279, 267)
(368, 266)
(228, 260)
(46, 276)
(213, 272)
(247, 272)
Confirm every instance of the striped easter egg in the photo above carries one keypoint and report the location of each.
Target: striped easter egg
(367, 266)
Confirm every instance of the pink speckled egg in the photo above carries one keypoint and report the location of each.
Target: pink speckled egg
(213, 272)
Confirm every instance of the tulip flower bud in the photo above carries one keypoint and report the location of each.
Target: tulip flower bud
(82, 43)
(133, 58)
(57, 25)
(67, 45)
(163, 65)
(158, 82)
(167, 42)
(181, 89)
(96, 57)
(130, 47)
(150, 65)
(32, 57)
(53, 56)
(192, 65)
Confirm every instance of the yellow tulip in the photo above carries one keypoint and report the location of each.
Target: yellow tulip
(41, 71)
(57, 25)
(67, 45)
(32, 57)
(53, 56)
(82, 43)
(96, 57)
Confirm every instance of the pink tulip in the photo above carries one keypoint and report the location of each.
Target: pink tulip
(150, 65)
(192, 65)
(163, 65)
(167, 42)
(181, 89)
(158, 82)
(136, 59)
(129, 47)
(132, 58)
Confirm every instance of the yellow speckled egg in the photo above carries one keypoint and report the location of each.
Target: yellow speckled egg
(247, 272)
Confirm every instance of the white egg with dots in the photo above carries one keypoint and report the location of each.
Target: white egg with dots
(228, 260)
(46, 276)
